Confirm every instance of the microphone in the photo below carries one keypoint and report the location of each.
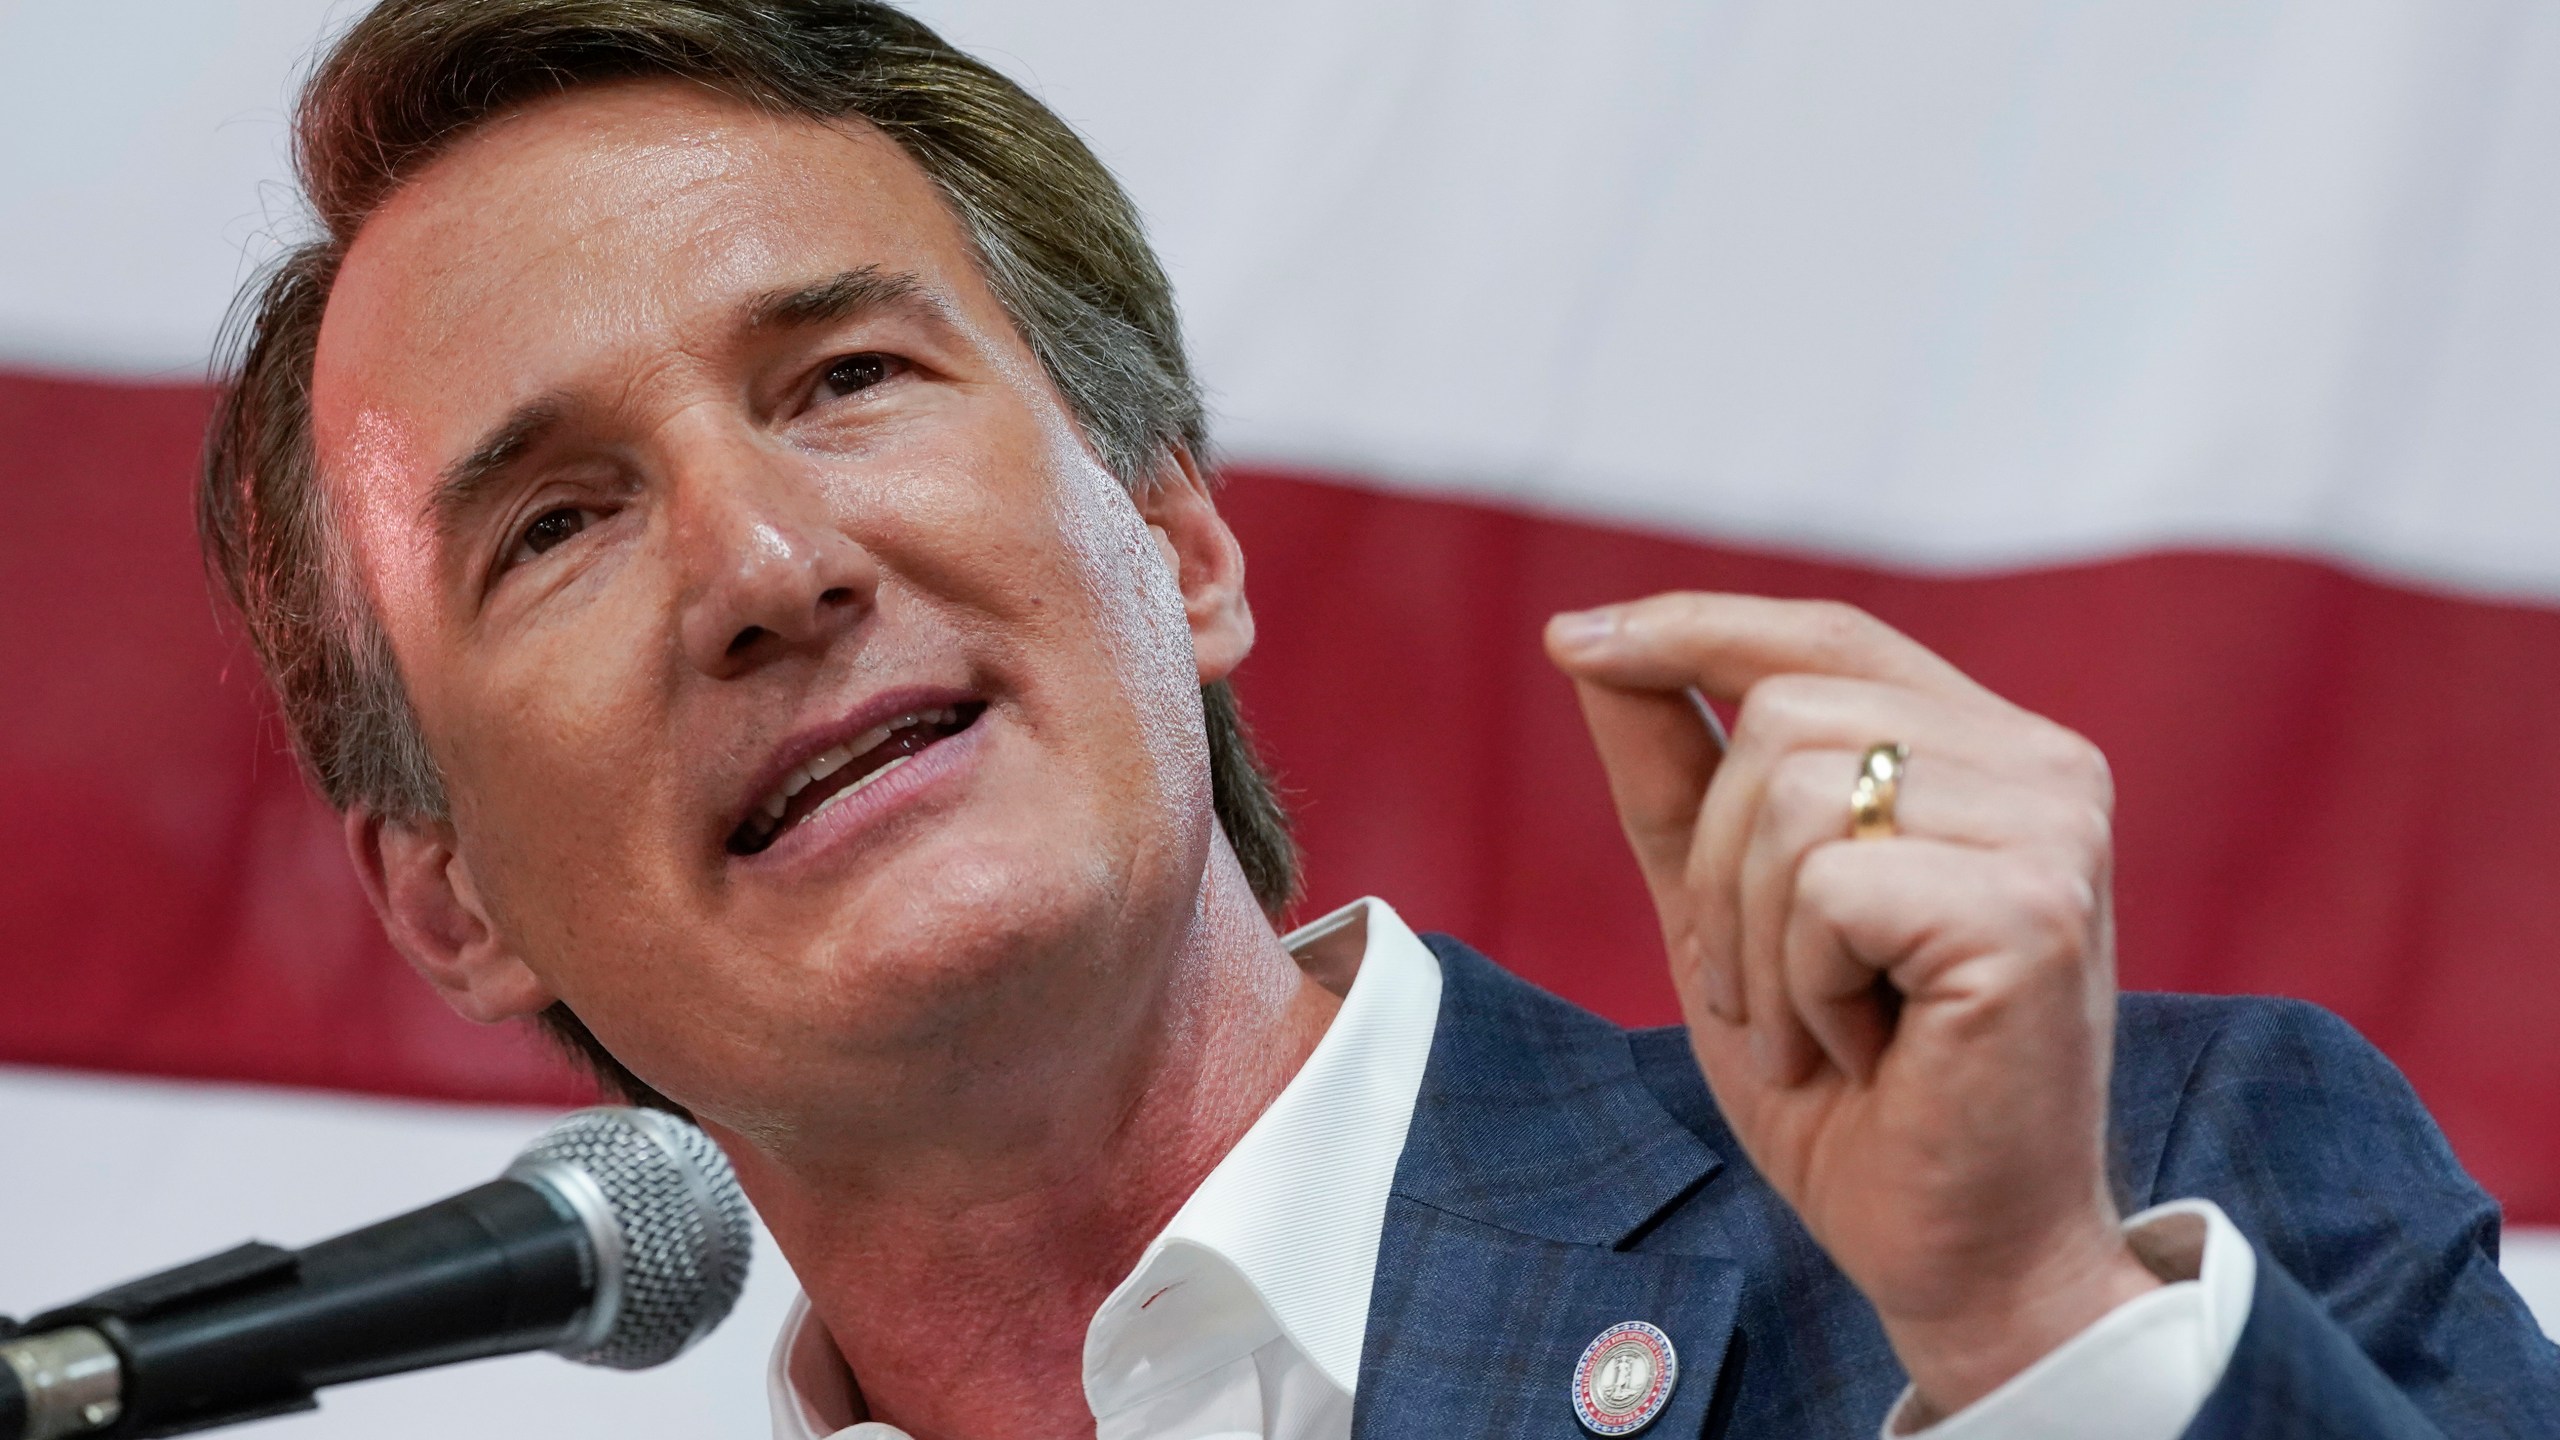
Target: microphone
(617, 1238)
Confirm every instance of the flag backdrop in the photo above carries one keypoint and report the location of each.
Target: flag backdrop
(2187, 370)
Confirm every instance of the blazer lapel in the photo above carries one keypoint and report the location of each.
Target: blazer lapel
(1536, 1158)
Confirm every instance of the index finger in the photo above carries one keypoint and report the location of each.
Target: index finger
(1725, 644)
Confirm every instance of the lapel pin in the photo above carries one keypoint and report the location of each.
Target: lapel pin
(1624, 1379)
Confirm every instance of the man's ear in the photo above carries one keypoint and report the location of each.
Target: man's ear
(1205, 560)
(427, 902)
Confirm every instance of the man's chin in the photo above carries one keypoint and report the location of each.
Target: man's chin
(975, 911)
(938, 978)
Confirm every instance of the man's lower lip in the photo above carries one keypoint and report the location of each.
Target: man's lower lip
(845, 820)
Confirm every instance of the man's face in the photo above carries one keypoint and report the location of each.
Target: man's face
(686, 454)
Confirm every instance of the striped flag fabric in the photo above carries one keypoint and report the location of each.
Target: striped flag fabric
(2186, 370)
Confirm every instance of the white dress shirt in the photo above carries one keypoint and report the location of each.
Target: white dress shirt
(1244, 1318)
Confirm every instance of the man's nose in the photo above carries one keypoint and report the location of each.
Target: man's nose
(771, 571)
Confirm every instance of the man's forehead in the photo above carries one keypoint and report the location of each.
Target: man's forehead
(562, 246)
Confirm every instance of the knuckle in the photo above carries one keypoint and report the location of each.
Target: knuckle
(2077, 760)
(2054, 904)
(2096, 773)
(2083, 756)
(2079, 832)
(1683, 609)
(1758, 718)
(2099, 843)
(1840, 629)
(1775, 707)
(2074, 836)
(1804, 785)
(1822, 878)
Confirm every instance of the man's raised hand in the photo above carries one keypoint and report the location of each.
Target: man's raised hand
(1910, 1034)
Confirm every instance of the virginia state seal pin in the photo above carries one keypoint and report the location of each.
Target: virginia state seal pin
(1624, 1379)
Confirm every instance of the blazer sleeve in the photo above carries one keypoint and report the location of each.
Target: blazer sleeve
(2379, 1309)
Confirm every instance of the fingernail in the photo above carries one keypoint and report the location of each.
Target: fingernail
(1584, 630)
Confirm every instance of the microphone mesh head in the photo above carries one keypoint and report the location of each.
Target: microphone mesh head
(685, 1230)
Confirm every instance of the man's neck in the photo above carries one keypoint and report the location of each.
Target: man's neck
(959, 1288)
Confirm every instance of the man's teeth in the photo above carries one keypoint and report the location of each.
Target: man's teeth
(828, 762)
(856, 787)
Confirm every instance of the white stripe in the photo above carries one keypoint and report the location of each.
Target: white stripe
(144, 173)
(1965, 285)
(113, 1178)
(2531, 1260)
(1952, 285)
(109, 1179)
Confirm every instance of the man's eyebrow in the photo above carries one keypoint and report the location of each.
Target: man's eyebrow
(467, 481)
(847, 295)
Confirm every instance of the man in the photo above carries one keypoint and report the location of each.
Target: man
(723, 508)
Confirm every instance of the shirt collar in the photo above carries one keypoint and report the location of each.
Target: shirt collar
(1296, 1208)
(1280, 1239)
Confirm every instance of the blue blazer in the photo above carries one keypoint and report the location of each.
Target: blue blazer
(1562, 1175)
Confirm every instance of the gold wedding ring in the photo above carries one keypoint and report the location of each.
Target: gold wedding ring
(1879, 785)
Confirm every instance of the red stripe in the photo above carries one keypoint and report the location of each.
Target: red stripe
(2328, 787)
(2331, 787)
(172, 900)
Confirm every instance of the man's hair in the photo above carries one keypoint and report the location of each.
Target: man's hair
(1059, 243)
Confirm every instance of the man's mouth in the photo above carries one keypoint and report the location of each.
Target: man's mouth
(842, 771)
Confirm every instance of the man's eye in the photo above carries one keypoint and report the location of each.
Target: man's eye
(553, 526)
(859, 372)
